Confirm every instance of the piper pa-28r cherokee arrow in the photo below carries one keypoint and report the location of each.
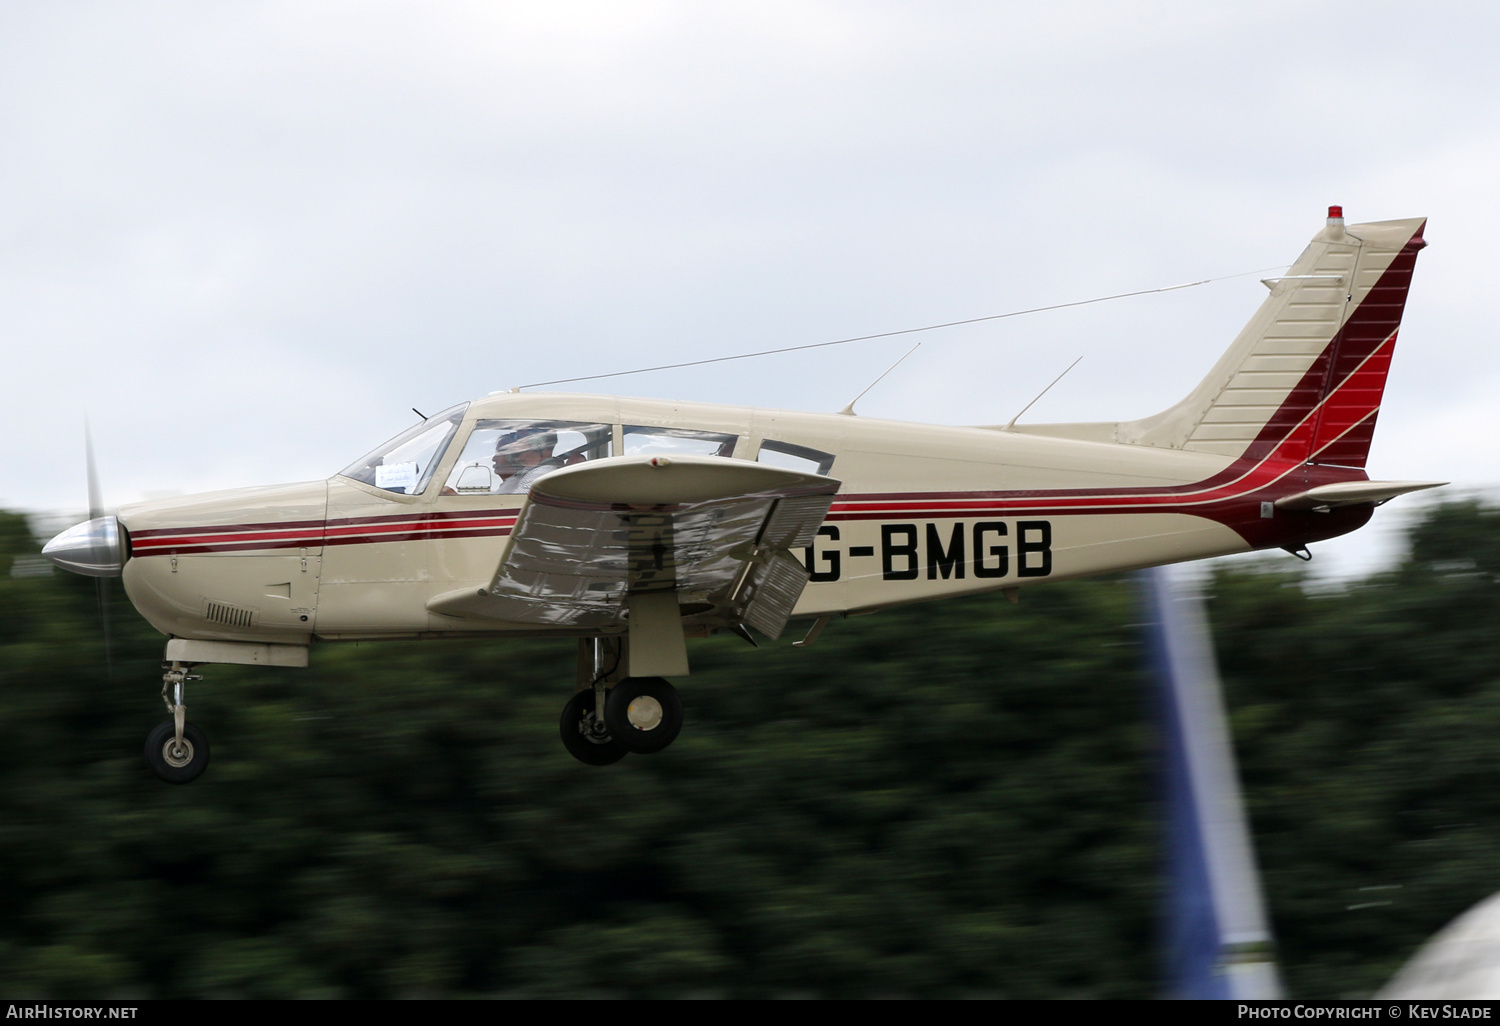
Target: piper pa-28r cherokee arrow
(633, 525)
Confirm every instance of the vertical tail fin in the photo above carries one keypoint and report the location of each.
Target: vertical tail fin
(1303, 381)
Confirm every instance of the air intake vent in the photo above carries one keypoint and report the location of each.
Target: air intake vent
(232, 616)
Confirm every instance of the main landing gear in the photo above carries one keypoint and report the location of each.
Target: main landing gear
(641, 715)
(176, 750)
(609, 717)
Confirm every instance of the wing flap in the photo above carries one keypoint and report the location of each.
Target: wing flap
(795, 522)
(773, 592)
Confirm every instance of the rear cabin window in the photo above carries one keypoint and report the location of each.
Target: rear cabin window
(654, 441)
(795, 457)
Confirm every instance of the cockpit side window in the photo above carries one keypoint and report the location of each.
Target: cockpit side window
(795, 457)
(508, 456)
(405, 464)
(651, 441)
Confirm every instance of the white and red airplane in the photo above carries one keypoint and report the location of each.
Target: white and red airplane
(633, 525)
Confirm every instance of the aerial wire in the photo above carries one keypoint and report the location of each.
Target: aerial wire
(892, 334)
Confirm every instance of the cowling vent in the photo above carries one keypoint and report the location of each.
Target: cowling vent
(230, 616)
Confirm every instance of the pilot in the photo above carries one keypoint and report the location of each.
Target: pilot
(523, 457)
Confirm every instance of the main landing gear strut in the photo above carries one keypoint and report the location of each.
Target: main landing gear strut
(176, 750)
(611, 715)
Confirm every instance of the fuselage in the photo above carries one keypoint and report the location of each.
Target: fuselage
(924, 512)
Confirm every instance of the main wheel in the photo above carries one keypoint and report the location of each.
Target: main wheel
(644, 713)
(581, 738)
(174, 763)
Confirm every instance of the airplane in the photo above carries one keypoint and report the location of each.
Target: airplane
(632, 525)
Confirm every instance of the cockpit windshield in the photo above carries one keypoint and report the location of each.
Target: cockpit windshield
(405, 464)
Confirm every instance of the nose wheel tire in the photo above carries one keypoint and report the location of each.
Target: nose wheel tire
(644, 713)
(174, 762)
(587, 740)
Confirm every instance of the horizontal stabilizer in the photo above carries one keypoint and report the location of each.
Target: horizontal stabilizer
(1352, 493)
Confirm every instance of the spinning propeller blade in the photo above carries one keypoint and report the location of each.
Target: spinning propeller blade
(101, 584)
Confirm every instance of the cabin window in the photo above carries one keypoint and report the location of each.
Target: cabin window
(652, 441)
(405, 464)
(507, 456)
(795, 457)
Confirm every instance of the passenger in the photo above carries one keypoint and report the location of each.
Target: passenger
(524, 457)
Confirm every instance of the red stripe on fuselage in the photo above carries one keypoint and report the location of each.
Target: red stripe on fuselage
(344, 531)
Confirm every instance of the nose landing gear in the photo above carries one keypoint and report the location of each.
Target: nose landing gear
(176, 751)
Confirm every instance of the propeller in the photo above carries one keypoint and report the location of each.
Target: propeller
(101, 584)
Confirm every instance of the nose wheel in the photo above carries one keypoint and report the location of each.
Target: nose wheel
(177, 751)
(177, 760)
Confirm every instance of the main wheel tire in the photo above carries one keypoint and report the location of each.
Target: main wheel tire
(582, 743)
(173, 764)
(644, 713)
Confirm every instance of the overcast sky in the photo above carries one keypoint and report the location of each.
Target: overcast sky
(245, 239)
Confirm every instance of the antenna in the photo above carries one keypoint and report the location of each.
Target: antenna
(848, 411)
(1043, 392)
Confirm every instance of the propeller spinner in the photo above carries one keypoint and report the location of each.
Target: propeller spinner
(92, 548)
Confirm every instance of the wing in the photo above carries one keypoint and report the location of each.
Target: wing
(717, 532)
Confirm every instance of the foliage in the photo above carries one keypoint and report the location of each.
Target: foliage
(942, 800)
(1364, 722)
